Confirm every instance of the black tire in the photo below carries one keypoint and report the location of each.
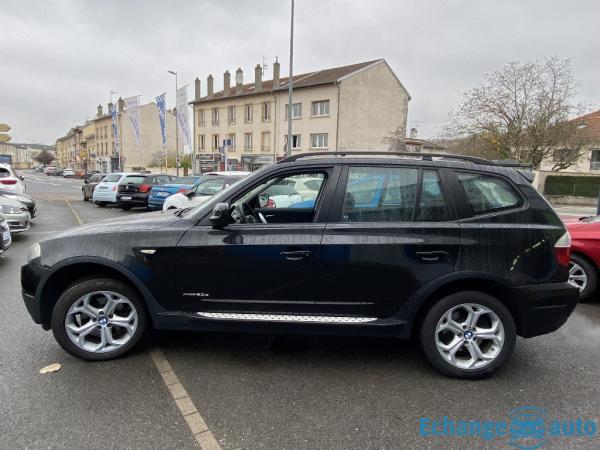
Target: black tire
(101, 204)
(86, 286)
(590, 273)
(435, 314)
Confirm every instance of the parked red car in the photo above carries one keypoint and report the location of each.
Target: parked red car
(585, 254)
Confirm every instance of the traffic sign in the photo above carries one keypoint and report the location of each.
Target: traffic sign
(4, 128)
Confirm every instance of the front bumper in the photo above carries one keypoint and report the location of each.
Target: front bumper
(18, 222)
(546, 307)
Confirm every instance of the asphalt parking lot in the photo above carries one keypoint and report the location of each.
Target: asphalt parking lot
(264, 391)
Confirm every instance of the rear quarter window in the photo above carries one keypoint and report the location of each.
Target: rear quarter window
(488, 193)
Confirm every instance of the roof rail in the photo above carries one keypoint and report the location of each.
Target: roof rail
(424, 156)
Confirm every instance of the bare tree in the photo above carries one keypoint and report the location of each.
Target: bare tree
(522, 111)
(44, 157)
(396, 140)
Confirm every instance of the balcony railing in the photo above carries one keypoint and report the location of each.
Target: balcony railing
(595, 165)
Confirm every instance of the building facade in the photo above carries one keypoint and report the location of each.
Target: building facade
(92, 145)
(352, 107)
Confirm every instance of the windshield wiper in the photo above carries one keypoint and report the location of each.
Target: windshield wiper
(180, 212)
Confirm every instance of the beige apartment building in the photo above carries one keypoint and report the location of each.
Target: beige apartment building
(92, 145)
(352, 107)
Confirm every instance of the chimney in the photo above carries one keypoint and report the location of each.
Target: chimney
(120, 104)
(209, 86)
(276, 73)
(226, 83)
(239, 78)
(413, 133)
(257, 77)
(110, 106)
(197, 92)
(99, 111)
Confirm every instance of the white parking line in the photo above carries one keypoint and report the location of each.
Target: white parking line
(188, 410)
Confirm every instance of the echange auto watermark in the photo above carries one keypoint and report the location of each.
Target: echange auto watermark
(526, 428)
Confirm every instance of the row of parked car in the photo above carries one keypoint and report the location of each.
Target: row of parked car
(155, 191)
(16, 207)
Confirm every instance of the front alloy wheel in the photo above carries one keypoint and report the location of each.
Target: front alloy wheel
(99, 319)
(468, 334)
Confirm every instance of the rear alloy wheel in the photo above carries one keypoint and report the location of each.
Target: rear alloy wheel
(98, 319)
(468, 335)
(583, 276)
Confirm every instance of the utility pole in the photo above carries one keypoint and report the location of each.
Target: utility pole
(176, 126)
(288, 150)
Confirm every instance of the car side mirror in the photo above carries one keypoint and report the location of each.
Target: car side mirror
(220, 215)
(190, 194)
(21, 178)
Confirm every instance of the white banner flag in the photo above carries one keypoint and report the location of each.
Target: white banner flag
(132, 105)
(183, 118)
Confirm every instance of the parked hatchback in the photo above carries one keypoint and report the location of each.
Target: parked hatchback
(89, 185)
(106, 191)
(135, 190)
(459, 252)
(9, 179)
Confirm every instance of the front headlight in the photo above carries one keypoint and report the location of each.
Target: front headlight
(8, 209)
(34, 251)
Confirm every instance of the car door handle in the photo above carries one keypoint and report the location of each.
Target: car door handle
(295, 255)
(430, 256)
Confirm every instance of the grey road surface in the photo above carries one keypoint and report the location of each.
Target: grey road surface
(271, 392)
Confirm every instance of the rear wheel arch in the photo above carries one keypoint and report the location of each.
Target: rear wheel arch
(70, 274)
(487, 286)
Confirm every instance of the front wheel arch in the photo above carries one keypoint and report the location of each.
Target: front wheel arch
(69, 274)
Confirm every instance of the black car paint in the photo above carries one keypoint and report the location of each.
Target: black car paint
(129, 194)
(387, 271)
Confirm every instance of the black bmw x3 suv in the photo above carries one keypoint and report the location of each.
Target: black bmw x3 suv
(456, 251)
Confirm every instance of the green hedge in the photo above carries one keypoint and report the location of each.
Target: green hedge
(582, 186)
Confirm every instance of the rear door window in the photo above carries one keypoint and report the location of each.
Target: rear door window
(380, 194)
(433, 206)
(488, 193)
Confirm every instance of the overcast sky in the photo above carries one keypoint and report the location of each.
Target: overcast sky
(60, 59)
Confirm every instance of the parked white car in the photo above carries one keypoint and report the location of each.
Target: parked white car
(16, 214)
(68, 173)
(209, 186)
(106, 191)
(9, 179)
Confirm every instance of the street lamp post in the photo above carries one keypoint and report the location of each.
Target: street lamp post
(288, 149)
(176, 126)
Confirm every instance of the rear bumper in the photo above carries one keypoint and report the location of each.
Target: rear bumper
(546, 307)
(134, 199)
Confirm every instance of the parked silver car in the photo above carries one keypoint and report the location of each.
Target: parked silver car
(16, 214)
(5, 238)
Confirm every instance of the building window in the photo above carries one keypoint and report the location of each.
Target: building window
(231, 138)
(296, 111)
(320, 108)
(231, 115)
(296, 142)
(105, 133)
(201, 141)
(215, 142)
(248, 141)
(319, 140)
(248, 113)
(266, 111)
(595, 159)
(215, 116)
(202, 118)
(265, 141)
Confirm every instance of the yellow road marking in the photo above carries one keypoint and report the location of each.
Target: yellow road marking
(79, 221)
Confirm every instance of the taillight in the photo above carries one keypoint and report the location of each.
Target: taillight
(8, 181)
(271, 203)
(562, 249)
(145, 188)
(181, 190)
(114, 187)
